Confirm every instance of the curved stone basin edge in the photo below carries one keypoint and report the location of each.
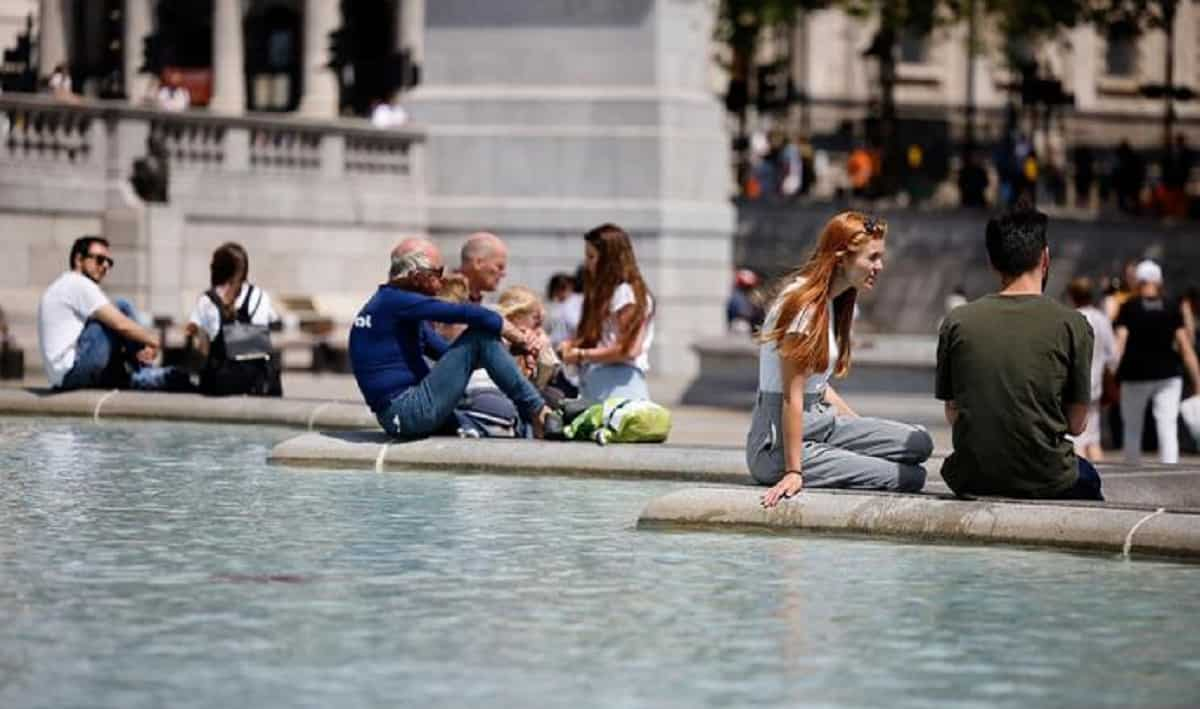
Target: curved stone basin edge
(929, 518)
(99, 404)
(375, 451)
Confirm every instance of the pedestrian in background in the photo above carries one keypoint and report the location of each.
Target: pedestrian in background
(1156, 349)
(564, 308)
(1104, 363)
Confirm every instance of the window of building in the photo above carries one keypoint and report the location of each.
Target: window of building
(913, 47)
(1120, 54)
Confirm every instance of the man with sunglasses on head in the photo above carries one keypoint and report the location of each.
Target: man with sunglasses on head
(391, 337)
(89, 341)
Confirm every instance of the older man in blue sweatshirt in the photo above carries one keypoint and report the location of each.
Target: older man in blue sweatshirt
(392, 333)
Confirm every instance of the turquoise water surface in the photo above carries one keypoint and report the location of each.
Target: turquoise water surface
(159, 564)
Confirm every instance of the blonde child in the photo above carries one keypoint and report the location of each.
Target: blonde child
(522, 307)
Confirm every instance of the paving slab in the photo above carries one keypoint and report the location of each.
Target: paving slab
(1109, 528)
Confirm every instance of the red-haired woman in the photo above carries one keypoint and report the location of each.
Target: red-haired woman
(617, 326)
(803, 434)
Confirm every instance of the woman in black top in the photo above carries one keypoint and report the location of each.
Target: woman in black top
(1156, 348)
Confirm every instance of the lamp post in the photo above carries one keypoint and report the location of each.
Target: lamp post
(972, 38)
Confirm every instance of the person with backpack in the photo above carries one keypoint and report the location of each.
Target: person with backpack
(230, 325)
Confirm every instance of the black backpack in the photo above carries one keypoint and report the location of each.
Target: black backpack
(486, 413)
(240, 359)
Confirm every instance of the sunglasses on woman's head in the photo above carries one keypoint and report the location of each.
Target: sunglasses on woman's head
(874, 225)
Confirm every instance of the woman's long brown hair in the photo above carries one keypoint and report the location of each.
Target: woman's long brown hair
(616, 265)
(809, 288)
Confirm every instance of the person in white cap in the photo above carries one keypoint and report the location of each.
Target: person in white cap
(1155, 351)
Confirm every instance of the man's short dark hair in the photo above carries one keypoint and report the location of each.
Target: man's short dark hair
(82, 246)
(1016, 239)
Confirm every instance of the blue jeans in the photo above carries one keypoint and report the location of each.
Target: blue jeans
(602, 381)
(101, 356)
(1087, 486)
(425, 407)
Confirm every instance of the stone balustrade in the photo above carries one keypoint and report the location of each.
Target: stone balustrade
(190, 144)
(371, 155)
(40, 133)
(285, 149)
(43, 131)
(318, 204)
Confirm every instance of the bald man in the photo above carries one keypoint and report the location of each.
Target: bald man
(484, 263)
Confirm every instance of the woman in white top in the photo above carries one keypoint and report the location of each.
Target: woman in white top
(802, 433)
(612, 343)
(230, 280)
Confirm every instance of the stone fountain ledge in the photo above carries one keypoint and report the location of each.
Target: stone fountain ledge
(376, 451)
(102, 405)
(1084, 526)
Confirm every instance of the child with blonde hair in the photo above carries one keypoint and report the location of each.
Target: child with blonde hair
(522, 307)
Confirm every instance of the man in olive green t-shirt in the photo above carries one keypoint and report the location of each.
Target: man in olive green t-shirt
(1014, 371)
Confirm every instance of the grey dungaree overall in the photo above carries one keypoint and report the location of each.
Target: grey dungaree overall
(839, 451)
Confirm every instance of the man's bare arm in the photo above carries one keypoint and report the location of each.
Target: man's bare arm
(951, 412)
(1188, 353)
(123, 326)
(1076, 418)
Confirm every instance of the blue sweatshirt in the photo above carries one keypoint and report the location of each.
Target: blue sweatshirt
(391, 333)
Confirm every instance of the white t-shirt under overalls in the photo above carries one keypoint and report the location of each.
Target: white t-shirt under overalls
(770, 369)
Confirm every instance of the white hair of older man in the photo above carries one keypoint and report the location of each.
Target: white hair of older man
(408, 262)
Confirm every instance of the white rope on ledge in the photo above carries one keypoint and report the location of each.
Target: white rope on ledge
(1129, 537)
(106, 397)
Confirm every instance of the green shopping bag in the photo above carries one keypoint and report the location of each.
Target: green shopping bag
(620, 420)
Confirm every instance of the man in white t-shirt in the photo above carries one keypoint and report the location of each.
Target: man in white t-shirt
(87, 341)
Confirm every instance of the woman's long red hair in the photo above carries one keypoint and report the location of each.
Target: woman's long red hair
(809, 288)
(616, 265)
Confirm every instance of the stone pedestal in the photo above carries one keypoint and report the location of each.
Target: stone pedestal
(547, 119)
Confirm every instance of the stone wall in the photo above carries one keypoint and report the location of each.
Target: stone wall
(930, 253)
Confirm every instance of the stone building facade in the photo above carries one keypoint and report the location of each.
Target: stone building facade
(534, 120)
(1103, 74)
